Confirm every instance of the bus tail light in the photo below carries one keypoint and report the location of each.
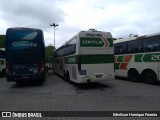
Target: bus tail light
(42, 65)
(79, 63)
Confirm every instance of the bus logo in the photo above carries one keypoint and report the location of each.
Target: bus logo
(96, 42)
(24, 44)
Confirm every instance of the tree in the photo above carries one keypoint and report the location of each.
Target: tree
(133, 35)
(2, 41)
(114, 39)
(49, 52)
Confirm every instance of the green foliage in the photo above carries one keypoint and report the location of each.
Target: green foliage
(2, 41)
(114, 39)
(49, 52)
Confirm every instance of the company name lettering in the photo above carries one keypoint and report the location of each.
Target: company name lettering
(21, 44)
(93, 35)
(92, 42)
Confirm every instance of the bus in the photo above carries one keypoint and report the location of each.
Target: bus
(25, 55)
(138, 58)
(86, 57)
(2, 62)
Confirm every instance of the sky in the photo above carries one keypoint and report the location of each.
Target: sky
(120, 17)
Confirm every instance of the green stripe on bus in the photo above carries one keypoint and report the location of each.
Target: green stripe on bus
(110, 40)
(120, 58)
(71, 60)
(116, 65)
(90, 59)
(155, 57)
(138, 58)
(96, 59)
(96, 42)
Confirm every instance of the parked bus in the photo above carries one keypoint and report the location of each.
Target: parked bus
(25, 55)
(86, 57)
(2, 62)
(138, 58)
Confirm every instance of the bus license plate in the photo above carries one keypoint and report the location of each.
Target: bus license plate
(25, 77)
(98, 76)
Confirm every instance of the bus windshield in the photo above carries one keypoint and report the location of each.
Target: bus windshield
(23, 35)
(20, 40)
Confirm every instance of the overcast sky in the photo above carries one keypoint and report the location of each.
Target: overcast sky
(120, 17)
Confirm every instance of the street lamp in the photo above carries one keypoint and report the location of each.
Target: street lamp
(54, 25)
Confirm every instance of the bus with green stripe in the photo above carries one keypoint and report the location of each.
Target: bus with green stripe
(138, 58)
(2, 62)
(86, 57)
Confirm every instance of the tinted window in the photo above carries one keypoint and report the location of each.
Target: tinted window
(152, 44)
(120, 48)
(22, 35)
(134, 46)
(69, 48)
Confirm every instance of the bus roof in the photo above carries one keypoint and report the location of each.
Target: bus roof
(124, 39)
(22, 28)
(134, 38)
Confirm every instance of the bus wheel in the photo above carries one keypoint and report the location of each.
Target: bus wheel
(133, 75)
(19, 82)
(3, 72)
(150, 77)
(67, 77)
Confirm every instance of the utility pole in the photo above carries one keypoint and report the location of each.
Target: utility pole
(54, 25)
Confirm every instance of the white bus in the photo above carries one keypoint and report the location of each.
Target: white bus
(2, 62)
(138, 58)
(86, 57)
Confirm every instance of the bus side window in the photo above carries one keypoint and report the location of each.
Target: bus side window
(134, 46)
(71, 46)
(152, 44)
(120, 48)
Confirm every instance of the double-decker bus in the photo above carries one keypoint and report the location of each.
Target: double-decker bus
(86, 57)
(138, 58)
(25, 54)
(2, 62)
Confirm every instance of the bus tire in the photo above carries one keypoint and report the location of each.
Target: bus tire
(133, 75)
(150, 77)
(3, 72)
(41, 81)
(67, 77)
(19, 82)
(64, 75)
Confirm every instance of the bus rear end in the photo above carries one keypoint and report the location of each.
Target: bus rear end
(25, 55)
(96, 56)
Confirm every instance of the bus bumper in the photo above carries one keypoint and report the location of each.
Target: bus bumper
(15, 78)
(95, 78)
